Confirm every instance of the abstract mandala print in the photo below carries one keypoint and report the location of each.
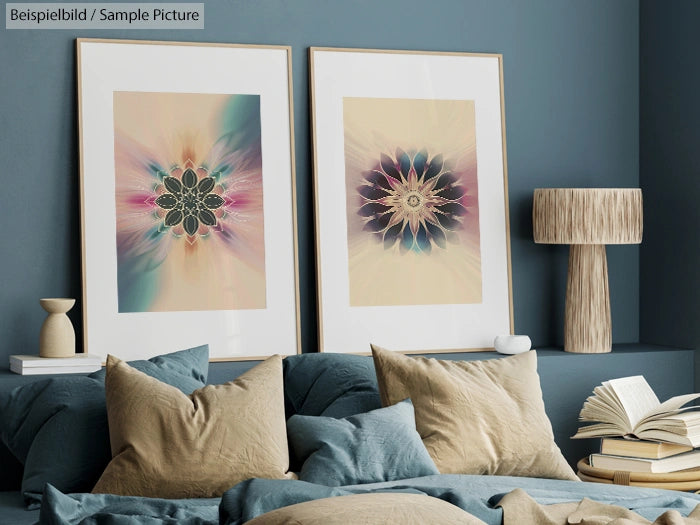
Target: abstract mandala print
(189, 202)
(412, 199)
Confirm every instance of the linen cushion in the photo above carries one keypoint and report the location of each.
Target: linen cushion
(57, 427)
(387, 507)
(166, 444)
(381, 445)
(476, 417)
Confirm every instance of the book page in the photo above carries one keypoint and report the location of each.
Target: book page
(663, 435)
(635, 396)
(604, 395)
(673, 405)
(597, 430)
(684, 422)
(603, 408)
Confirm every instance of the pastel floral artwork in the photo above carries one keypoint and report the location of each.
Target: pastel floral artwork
(189, 202)
(412, 202)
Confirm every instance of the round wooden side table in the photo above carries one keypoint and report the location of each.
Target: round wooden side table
(685, 480)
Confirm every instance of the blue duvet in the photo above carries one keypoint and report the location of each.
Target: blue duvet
(477, 495)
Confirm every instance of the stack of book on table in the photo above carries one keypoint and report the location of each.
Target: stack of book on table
(35, 365)
(644, 456)
(640, 434)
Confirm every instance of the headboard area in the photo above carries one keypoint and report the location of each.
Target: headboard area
(314, 384)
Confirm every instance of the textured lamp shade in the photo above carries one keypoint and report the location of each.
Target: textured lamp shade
(587, 215)
(587, 219)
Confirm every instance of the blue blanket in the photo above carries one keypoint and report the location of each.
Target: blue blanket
(103, 509)
(477, 495)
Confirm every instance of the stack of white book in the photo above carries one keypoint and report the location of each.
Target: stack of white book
(639, 433)
(644, 456)
(35, 365)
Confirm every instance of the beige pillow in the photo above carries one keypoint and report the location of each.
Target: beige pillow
(170, 445)
(385, 507)
(476, 417)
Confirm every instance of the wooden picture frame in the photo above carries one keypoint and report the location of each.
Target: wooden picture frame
(187, 199)
(411, 200)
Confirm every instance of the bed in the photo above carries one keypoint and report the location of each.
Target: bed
(314, 438)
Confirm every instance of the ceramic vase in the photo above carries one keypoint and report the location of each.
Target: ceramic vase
(57, 336)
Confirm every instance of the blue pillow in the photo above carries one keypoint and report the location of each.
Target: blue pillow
(327, 384)
(381, 445)
(57, 427)
(186, 370)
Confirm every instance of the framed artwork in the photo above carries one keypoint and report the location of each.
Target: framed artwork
(411, 200)
(187, 199)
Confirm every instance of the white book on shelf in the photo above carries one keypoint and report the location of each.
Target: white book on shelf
(35, 365)
(41, 370)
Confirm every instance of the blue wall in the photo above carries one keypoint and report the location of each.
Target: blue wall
(572, 119)
(670, 172)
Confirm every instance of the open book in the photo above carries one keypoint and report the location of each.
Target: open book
(628, 407)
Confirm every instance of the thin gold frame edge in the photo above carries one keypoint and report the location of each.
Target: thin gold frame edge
(288, 50)
(499, 57)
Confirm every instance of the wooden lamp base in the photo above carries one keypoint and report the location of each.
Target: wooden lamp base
(587, 322)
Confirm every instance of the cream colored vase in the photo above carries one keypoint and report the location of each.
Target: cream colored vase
(57, 336)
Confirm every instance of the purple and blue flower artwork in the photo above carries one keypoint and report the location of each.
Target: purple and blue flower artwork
(412, 202)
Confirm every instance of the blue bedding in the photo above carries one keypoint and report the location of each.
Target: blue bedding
(477, 495)
(326, 385)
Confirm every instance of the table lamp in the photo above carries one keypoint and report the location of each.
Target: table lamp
(587, 219)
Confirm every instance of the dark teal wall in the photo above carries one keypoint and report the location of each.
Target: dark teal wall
(670, 172)
(572, 117)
